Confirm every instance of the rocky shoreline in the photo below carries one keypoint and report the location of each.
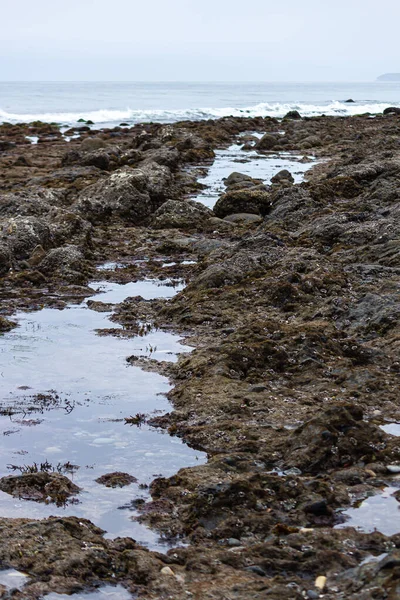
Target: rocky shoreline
(292, 306)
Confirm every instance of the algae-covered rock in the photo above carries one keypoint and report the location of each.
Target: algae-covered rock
(41, 487)
(181, 214)
(129, 194)
(243, 201)
(117, 479)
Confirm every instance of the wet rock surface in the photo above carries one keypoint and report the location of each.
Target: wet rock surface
(294, 320)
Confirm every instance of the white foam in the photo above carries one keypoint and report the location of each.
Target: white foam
(277, 109)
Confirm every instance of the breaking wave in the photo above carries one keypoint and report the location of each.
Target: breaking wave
(114, 117)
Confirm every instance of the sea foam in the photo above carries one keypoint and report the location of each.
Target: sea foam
(114, 117)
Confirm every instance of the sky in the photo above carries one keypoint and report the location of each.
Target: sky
(198, 40)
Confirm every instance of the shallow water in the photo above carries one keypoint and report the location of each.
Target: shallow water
(250, 163)
(380, 512)
(108, 591)
(82, 420)
(12, 579)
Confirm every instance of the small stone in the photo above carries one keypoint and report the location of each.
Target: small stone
(320, 582)
(233, 542)
(167, 571)
(393, 468)
(312, 594)
(292, 471)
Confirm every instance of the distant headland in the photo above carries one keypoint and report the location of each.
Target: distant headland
(389, 77)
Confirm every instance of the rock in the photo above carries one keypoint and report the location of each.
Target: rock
(92, 143)
(257, 389)
(283, 176)
(23, 234)
(168, 157)
(318, 509)
(335, 438)
(6, 324)
(236, 177)
(129, 194)
(23, 161)
(175, 214)
(41, 487)
(293, 114)
(392, 110)
(116, 479)
(349, 101)
(267, 142)
(66, 262)
(5, 259)
(243, 201)
(243, 218)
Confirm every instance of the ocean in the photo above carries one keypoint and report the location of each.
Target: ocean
(108, 104)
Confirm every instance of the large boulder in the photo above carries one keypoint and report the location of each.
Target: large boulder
(181, 214)
(243, 201)
(129, 194)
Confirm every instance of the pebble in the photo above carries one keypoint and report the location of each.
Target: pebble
(292, 471)
(167, 571)
(234, 542)
(320, 582)
(393, 468)
(312, 594)
(306, 530)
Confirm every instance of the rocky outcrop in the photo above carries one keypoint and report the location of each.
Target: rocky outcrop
(175, 214)
(129, 194)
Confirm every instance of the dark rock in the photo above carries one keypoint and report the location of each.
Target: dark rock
(293, 114)
(243, 201)
(283, 176)
(62, 259)
(318, 509)
(23, 234)
(349, 101)
(130, 194)
(117, 479)
(41, 487)
(392, 110)
(235, 177)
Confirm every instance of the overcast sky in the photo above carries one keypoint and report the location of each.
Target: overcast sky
(198, 40)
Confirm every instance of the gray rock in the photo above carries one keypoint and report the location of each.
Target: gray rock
(236, 177)
(181, 214)
(62, 260)
(267, 142)
(243, 201)
(23, 234)
(283, 176)
(129, 194)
